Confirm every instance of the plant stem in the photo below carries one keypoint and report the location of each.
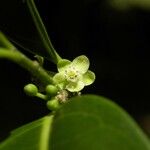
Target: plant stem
(5, 43)
(32, 66)
(42, 96)
(42, 31)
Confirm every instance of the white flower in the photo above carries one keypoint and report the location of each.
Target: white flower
(74, 75)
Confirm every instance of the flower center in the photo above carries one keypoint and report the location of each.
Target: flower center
(72, 74)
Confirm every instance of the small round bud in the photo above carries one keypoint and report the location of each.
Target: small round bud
(51, 90)
(53, 104)
(31, 89)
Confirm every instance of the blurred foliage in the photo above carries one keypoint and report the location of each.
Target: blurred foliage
(129, 4)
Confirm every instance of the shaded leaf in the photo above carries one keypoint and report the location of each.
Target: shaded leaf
(86, 122)
(95, 123)
(33, 136)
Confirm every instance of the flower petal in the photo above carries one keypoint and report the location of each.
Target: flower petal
(88, 78)
(63, 65)
(60, 80)
(59, 77)
(81, 63)
(75, 87)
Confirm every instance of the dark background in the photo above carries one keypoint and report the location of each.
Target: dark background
(116, 42)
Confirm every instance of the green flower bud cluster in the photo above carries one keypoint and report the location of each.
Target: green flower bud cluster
(53, 103)
(52, 95)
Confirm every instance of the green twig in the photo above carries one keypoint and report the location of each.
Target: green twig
(32, 66)
(5, 43)
(42, 96)
(42, 31)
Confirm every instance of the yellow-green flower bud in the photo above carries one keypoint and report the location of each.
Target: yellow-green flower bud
(53, 104)
(51, 90)
(31, 89)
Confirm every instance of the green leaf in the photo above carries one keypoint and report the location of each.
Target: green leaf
(86, 122)
(95, 123)
(33, 136)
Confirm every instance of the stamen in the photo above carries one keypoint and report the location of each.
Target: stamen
(71, 74)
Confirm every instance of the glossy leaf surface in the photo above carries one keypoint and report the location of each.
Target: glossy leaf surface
(86, 122)
(33, 136)
(95, 123)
